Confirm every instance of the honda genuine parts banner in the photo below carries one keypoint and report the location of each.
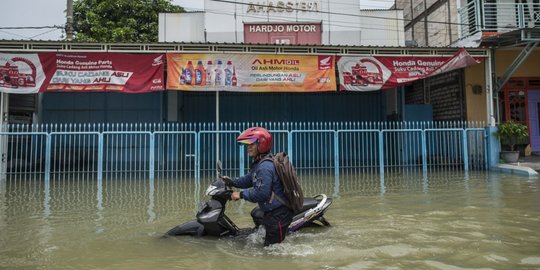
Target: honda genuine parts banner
(250, 73)
(371, 73)
(81, 72)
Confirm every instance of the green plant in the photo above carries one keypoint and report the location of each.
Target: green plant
(511, 133)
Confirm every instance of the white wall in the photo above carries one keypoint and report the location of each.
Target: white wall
(385, 31)
(187, 27)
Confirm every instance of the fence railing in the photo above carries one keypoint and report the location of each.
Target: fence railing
(175, 151)
(479, 16)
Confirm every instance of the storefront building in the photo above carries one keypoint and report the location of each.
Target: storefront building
(363, 91)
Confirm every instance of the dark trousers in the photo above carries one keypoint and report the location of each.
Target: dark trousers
(276, 223)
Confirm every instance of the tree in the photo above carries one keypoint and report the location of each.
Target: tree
(119, 20)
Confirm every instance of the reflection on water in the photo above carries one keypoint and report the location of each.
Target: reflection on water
(404, 220)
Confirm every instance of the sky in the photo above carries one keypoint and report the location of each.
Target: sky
(50, 13)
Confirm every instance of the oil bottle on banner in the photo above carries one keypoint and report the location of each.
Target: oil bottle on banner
(218, 74)
(189, 73)
(183, 76)
(228, 73)
(200, 74)
(234, 80)
(209, 73)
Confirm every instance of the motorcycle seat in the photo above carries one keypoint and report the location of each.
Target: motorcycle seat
(309, 203)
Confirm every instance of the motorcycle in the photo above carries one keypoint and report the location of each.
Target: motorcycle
(212, 220)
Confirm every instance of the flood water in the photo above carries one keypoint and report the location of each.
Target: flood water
(445, 220)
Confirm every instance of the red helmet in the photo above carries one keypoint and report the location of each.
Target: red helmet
(259, 135)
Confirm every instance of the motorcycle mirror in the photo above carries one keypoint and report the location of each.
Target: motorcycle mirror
(218, 168)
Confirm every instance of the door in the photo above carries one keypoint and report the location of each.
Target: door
(534, 118)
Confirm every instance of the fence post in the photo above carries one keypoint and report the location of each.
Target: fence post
(48, 158)
(424, 151)
(100, 157)
(336, 154)
(465, 153)
(152, 156)
(381, 153)
(241, 159)
(197, 158)
(289, 145)
(493, 147)
(99, 191)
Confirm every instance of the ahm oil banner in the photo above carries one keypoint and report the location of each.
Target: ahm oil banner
(371, 73)
(81, 72)
(250, 73)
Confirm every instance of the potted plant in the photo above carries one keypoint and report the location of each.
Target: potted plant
(511, 133)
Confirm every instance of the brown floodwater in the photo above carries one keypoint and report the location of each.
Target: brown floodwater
(445, 220)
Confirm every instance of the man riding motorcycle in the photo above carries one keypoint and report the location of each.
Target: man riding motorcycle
(262, 185)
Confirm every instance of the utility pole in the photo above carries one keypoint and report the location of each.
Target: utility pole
(69, 21)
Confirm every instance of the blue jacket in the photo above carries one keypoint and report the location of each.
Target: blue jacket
(259, 184)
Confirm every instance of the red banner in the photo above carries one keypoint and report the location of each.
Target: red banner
(382, 72)
(81, 72)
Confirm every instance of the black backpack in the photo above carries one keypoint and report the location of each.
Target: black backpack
(294, 197)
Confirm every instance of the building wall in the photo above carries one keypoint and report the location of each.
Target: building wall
(181, 26)
(529, 68)
(385, 31)
(444, 92)
(441, 28)
(443, 34)
(475, 75)
(451, 94)
(342, 21)
(476, 102)
(224, 22)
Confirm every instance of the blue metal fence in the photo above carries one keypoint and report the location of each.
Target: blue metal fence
(190, 151)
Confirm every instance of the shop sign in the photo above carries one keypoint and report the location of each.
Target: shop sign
(282, 33)
(282, 28)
